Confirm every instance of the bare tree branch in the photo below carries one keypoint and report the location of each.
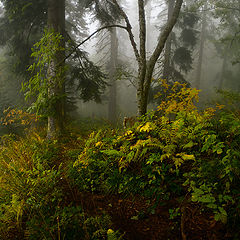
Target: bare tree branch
(164, 35)
(161, 42)
(90, 36)
(142, 31)
(129, 30)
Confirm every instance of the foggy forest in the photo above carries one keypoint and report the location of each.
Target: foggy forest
(119, 119)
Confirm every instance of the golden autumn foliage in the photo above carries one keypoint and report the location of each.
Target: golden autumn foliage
(180, 98)
(20, 117)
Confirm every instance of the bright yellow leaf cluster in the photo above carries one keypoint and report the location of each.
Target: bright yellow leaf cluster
(98, 144)
(180, 98)
(147, 127)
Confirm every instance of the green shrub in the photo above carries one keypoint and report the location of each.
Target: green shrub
(69, 223)
(28, 184)
(196, 154)
(32, 195)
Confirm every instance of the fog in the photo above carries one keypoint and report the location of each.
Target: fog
(202, 51)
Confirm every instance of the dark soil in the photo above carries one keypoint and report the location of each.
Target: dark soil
(134, 218)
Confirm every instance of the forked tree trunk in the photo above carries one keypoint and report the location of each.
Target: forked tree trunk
(146, 68)
(56, 23)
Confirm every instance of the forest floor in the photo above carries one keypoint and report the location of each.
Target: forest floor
(134, 218)
(174, 217)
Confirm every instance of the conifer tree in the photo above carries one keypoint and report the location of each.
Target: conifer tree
(23, 24)
(56, 87)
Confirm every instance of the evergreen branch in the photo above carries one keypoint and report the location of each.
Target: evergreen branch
(89, 37)
(234, 37)
(78, 55)
(228, 8)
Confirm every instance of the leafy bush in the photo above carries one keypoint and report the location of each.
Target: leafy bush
(177, 153)
(214, 178)
(28, 183)
(32, 195)
(69, 223)
(18, 121)
(195, 154)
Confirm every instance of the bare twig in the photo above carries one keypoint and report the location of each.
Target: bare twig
(129, 30)
(90, 36)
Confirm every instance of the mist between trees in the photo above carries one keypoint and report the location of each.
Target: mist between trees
(105, 59)
(119, 119)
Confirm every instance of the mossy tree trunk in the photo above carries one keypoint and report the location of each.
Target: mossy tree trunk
(56, 23)
(146, 67)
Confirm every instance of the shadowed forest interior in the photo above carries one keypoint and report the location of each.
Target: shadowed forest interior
(119, 119)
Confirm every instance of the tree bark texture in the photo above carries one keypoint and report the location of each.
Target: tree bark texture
(112, 105)
(145, 73)
(56, 23)
(142, 56)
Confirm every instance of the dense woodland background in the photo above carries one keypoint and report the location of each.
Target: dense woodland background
(119, 119)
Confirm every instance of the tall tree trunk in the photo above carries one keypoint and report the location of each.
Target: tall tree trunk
(56, 23)
(146, 68)
(112, 105)
(201, 49)
(145, 73)
(142, 57)
(148, 20)
(168, 45)
(224, 67)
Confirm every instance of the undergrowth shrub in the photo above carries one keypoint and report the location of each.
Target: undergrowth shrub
(27, 183)
(193, 157)
(32, 195)
(19, 122)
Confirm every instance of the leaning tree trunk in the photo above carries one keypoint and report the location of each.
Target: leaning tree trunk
(201, 50)
(112, 105)
(56, 23)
